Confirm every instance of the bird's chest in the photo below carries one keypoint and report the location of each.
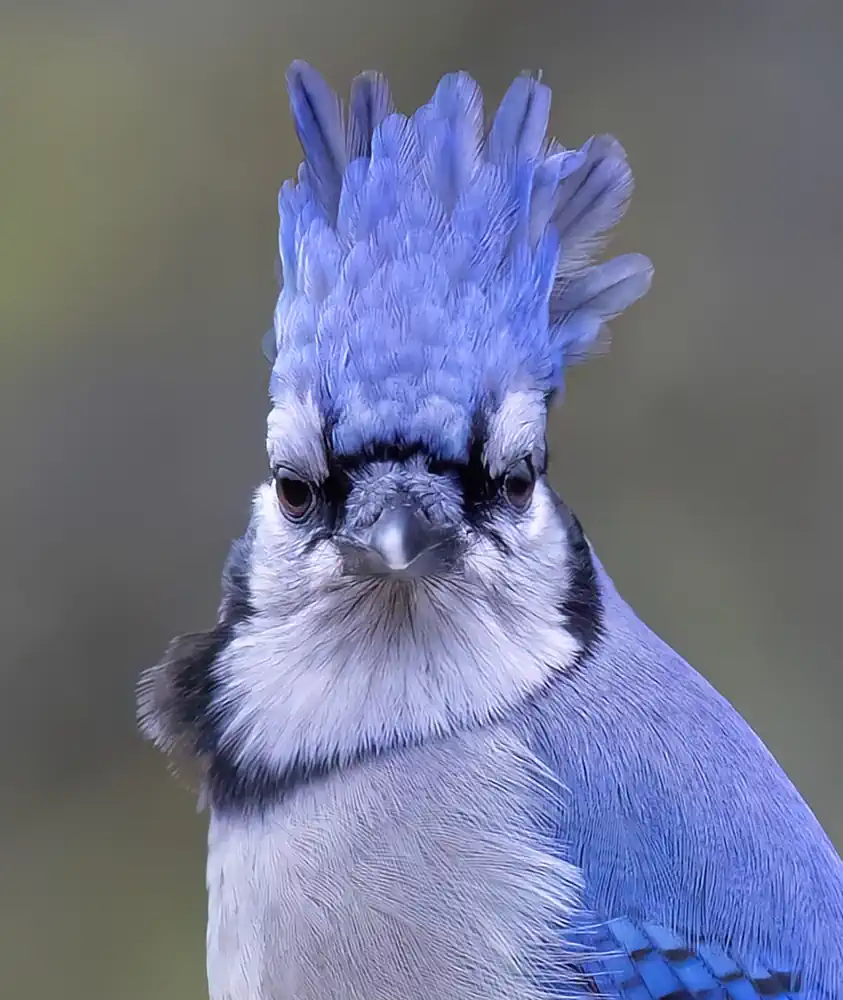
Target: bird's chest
(419, 875)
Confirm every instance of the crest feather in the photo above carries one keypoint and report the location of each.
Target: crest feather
(520, 124)
(455, 127)
(430, 263)
(370, 103)
(318, 117)
(591, 200)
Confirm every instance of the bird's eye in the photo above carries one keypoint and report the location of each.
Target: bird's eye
(518, 484)
(296, 496)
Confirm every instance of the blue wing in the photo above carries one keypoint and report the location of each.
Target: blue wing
(713, 877)
(640, 961)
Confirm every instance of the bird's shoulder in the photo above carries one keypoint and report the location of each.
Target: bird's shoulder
(706, 874)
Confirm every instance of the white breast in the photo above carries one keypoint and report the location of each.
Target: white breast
(420, 875)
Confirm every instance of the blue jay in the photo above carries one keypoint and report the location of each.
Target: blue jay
(443, 758)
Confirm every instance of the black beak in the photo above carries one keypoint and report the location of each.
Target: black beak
(401, 543)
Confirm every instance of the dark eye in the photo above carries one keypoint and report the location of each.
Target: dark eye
(296, 496)
(518, 484)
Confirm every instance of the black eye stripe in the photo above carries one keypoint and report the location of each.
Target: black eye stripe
(377, 452)
(479, 490)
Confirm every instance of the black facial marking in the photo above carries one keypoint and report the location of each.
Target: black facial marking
(233, 786)
(379, 452)
(237, 601)
(254, 788)
(196, 719)
(477, 488)
(498, 540)
(582, 606)
(336, 488)
(185, 709)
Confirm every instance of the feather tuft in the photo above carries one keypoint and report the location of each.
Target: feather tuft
(430, 265)
(580, 307)
(519, 127)
(370, 103)
(591, 200)
(456, 124)
(317, 114)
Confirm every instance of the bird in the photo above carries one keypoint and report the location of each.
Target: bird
(441, 755)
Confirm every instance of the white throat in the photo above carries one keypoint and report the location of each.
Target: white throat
(323, 674)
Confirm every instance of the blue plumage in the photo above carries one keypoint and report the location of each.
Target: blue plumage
(648, 962)
(430, 263)
(681, 818)
(444, 759)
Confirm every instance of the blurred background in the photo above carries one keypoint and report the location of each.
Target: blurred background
(142, 148)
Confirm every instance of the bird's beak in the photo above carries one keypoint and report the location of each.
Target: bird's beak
(401, 543)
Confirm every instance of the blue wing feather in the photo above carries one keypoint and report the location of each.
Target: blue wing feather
(642, 961)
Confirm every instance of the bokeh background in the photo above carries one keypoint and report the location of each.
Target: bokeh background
(141, 148)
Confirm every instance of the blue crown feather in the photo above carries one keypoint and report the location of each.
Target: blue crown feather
(431, 264)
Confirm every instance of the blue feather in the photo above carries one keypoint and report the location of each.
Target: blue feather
(545, 194)
(592, 199)
(455, 126)
(645, 961)
(448, 256)
(269, 346)
(701, 861)
(370, 103)
(428, 268)
(519, 128)
(317, 114)
(580, 307)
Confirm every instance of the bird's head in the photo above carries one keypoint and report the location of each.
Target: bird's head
(408, 570)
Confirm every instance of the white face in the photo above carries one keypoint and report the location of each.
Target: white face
(395, 598)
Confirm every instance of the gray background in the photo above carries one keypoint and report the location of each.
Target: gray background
(142, 147)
